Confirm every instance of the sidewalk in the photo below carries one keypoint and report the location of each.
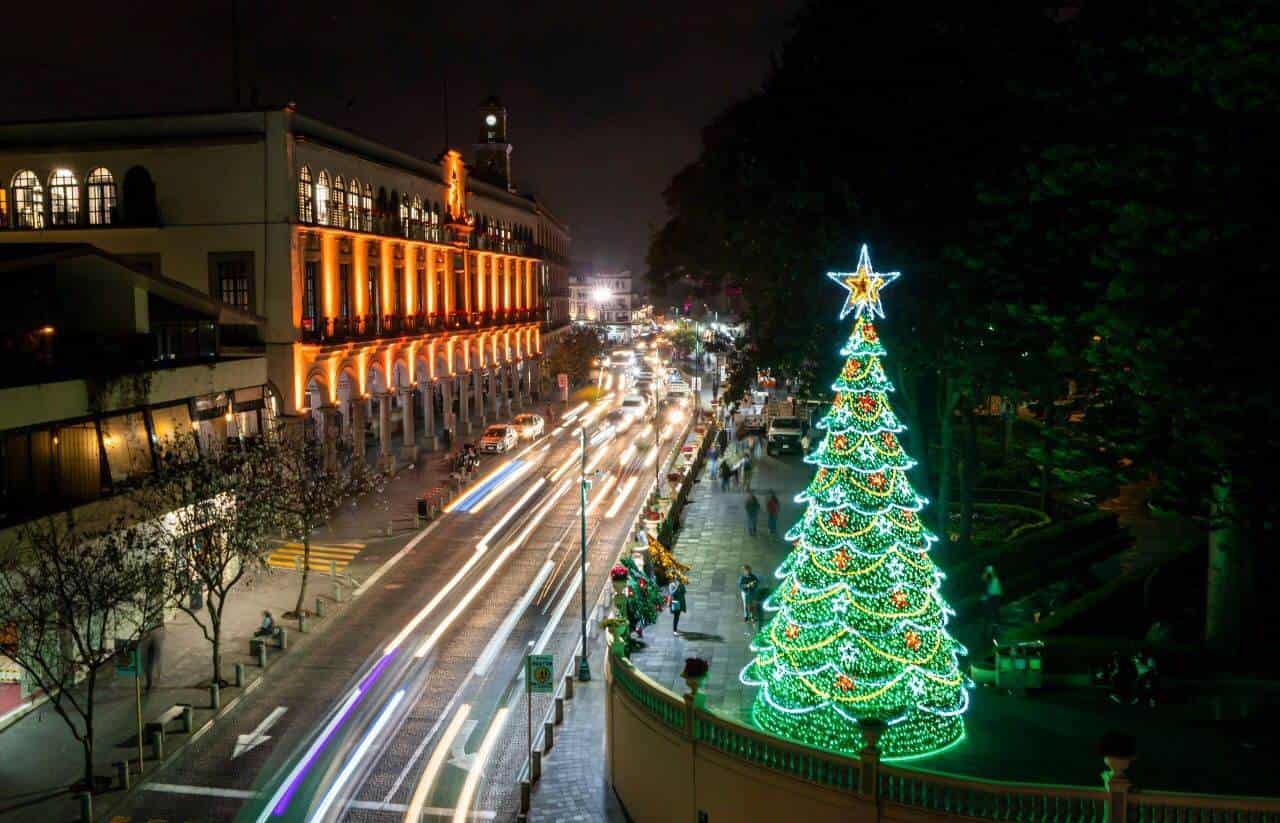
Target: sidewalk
(39, 758)
(573, 786)
(1051, 737)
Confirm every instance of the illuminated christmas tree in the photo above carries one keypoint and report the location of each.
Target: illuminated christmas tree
(858, 630)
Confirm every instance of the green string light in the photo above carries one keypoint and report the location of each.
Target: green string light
(858, 627)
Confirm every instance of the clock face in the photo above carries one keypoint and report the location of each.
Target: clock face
(491, 119)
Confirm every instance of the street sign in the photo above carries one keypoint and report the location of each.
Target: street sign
(539, 674)
(126, 658)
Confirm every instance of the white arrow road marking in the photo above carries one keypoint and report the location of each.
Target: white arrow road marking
(259, 735)
(458, 752)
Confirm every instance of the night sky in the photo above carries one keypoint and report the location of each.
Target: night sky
(606, 100)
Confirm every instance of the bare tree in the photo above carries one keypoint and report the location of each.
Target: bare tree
(214, 526)
(67, 594)
(307, 488)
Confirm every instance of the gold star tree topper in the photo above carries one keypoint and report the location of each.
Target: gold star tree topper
(864, 287)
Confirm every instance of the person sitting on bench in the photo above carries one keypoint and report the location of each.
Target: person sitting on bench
(268, 627)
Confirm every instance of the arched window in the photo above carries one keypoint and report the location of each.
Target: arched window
(366, 208)
(306, 196)
(322, 198)
(353, 205)
(102, 197)
(338, 203)
(404, 216)
(64, 198)
(28, 201)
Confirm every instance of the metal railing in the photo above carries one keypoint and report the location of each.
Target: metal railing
(933, 792)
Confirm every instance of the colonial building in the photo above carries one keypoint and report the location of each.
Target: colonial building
(399, 297)
(608, 302)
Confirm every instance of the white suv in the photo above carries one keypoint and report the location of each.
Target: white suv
(635, 404)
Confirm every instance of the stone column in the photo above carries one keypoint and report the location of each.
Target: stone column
(464, 408)
(518, 370)
(428, 391)
(386, 458)
(498, 385)
(330, 425)
(356, 416)
(409, 449)
(446, 392)
(477, 385)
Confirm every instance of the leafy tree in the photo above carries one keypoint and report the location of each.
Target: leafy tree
(683, 339)
(307, 488)
(574, 353)
(217, 516)
(67, 594)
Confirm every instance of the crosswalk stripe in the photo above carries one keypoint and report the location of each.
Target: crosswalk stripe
(353, 548)
(317, 551)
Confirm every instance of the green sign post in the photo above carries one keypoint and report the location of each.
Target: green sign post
(539, 676)
(129, 663)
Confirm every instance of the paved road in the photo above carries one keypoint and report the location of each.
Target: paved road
(346, 731)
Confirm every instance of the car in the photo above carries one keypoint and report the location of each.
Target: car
(674, 376)
(635, 404)
(680, 392)
(529, 426)
(784, 434)
(498, 438)
(619, 419)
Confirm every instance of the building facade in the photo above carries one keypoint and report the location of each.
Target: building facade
(608, 302)
(400, 298)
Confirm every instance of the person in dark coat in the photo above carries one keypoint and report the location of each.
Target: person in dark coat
(678, 605)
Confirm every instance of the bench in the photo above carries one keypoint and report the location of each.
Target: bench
(161, 721)
(279, 638)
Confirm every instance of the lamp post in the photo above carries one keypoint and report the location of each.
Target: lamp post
(584, 668)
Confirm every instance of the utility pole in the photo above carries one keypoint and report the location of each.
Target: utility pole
(584, 668)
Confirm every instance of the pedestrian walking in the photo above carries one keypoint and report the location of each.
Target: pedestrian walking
(771, 509)
(713, 458)
(753, 513)
(151, 655)
(737, 475)
(747, 583)
(747, 468)
(678, 605)
(724, 475)
(991, 597)
(550, 413)
(722, 440)
(757, 447)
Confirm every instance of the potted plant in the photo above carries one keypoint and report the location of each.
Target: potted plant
(695, 673)
(618, 577)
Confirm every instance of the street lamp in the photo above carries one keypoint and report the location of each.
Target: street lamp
(584, 668)
(600, 295)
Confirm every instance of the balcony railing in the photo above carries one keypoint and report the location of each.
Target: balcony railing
(365, 327)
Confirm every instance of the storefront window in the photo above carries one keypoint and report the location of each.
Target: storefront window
(128, 450)
(171, 425)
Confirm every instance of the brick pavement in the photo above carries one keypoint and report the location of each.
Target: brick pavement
(573, 786)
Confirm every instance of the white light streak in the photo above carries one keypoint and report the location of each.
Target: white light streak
(477, 767)
(316, 745)
(621, 496)
(496, 490)
(414, 813)
(361, 750)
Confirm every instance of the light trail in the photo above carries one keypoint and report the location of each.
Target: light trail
(477, 767)
(600, 491)
(652, 457)
(413, 814)
(574, 412)
(354, 761)
(564, 467)
(498, 489)
(621, 496)
(461, 574)
(495, 643)
(482, 487)
(511, 512)
(563, 606)
(280, 800)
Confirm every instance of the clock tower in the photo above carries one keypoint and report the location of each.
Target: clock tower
(493, 152)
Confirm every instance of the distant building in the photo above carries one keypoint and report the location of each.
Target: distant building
(608, 302)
